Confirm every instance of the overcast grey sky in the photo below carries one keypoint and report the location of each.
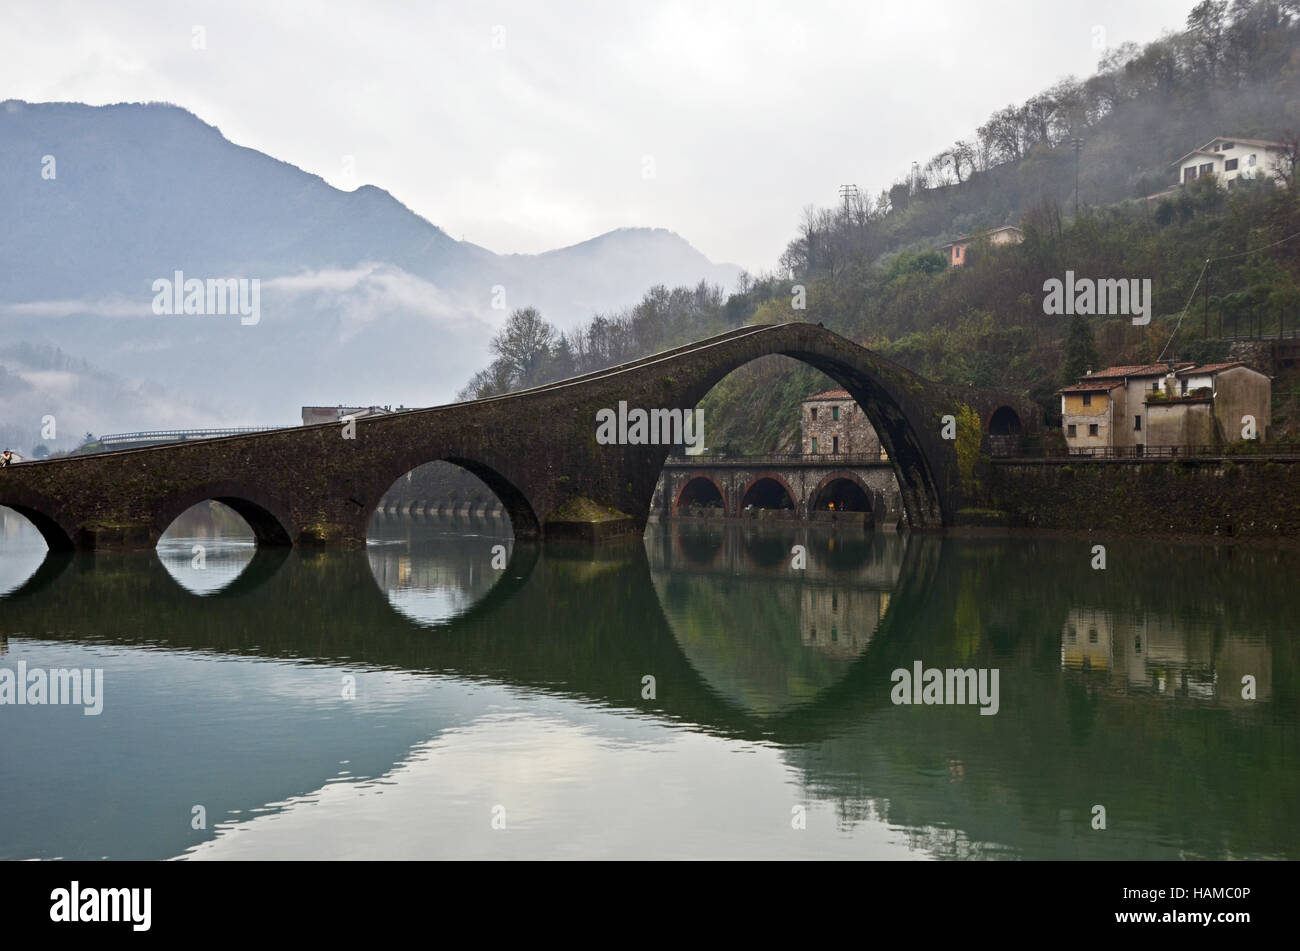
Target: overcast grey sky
(529, 126)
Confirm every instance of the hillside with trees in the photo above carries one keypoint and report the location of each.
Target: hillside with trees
(870, 272)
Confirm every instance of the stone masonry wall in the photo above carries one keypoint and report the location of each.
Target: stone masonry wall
(1243, 497)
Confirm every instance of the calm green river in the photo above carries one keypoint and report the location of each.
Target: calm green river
(447, 693)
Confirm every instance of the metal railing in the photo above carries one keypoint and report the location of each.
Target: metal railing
(179, 435)
(1158, 452)
(1263, 335)
(705, 460)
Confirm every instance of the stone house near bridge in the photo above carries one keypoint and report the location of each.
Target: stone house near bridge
(831, 424)
(1163, 405)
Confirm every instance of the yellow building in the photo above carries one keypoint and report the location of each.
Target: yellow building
(1164, 405)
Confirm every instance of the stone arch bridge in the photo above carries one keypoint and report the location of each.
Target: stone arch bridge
(536, 449)
(735, 487)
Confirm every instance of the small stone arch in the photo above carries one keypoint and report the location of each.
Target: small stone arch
(692, 480)
(523, 520)
(766, 477)
(868, 495)
(1005, 421)
(40, 513)
(269, 520)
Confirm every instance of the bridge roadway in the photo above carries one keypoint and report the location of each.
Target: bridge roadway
(536, 449)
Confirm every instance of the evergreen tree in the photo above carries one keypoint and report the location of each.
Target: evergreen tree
(1080, 350)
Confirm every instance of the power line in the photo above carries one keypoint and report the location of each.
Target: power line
(1204, 268)
(1077, 143)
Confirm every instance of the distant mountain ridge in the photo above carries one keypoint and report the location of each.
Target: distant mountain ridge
(363, 300)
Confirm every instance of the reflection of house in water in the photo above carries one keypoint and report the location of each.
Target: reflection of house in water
(840, 620)
(1152, 652)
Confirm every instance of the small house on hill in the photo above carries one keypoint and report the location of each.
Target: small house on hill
(956, 250)
(1230, 159)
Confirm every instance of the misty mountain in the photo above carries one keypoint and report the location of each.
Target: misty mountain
(361, 300)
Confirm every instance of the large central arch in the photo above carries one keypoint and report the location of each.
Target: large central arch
(905, 410)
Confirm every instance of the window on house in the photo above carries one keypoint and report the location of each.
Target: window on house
(1071, 430)
(1230, 165)
(1092, 429)
(1227, 145)
(1207, 168)
(835, 412)
(814, 445)
(1092, 635)
(814, 414)
(1087, 399)
(835, 445)
(1250, 162)
(1182, 388)
(1137, 423)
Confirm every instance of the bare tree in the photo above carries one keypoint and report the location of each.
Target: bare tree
(524, 344)
(1288, 166)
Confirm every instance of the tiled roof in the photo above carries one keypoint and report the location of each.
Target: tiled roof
(1090, 386)
(1211, 368)
(967, 238)
(829, 395)
(1137, 369)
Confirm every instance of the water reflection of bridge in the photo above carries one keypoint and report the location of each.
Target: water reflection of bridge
(730, 658)
(836, 601)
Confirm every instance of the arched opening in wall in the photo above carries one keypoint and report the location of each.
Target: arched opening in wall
(441, 498)
(1005, 422)
(842, 495)
(441, 537)
(700, 494)
(782, 414)
(208, 546)
(766, 493)
(23, 547)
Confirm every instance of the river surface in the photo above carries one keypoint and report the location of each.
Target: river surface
(447, 693)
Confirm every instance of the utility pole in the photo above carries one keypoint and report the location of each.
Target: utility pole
(1078, 147)
(1205, 313)
(848, 192)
